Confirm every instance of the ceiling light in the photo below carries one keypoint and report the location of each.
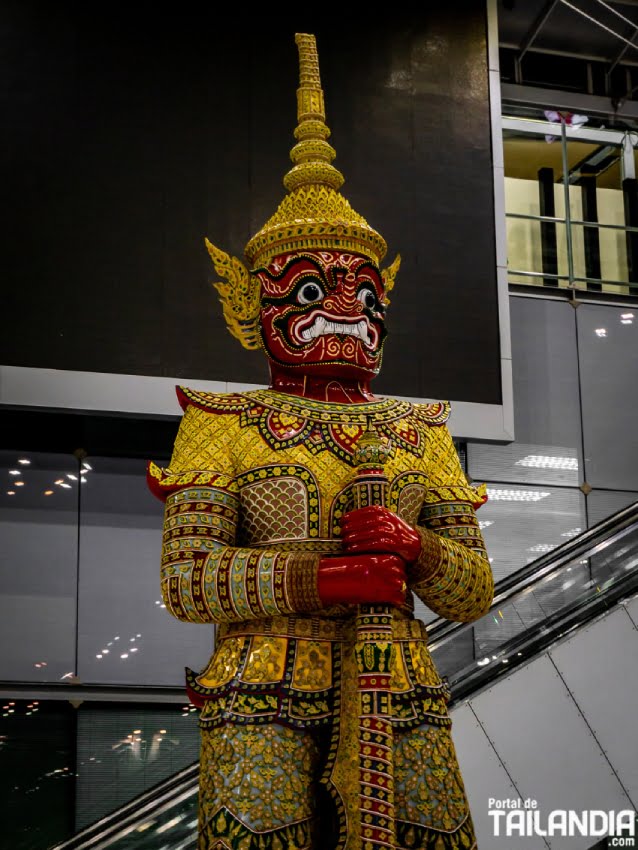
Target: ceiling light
(547, 462)
(626, 315)
(498, 495)
(18, 483)
(11, 492)
(14, 472)
(66, 486)
(72, 477)
(86, 467)
(626, 321)
(48, 492)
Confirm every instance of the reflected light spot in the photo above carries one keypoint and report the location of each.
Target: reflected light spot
(66, 486)
(542, 547)
(11, 492)
(18, 483)
(497, 495)
(601, 332)
(124, 655)
(548, 462)
(24, 461)
(98, 656)
(170, 824)
(48, 492)
(14, 472)
(72, 477)
(86, 467)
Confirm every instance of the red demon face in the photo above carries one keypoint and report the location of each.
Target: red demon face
(322, 311)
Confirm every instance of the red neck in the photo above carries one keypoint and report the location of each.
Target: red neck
(338, 390)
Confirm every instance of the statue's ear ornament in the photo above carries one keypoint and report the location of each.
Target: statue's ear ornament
(388, 275)
(239, 295)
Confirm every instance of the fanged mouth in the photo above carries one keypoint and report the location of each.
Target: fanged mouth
(312, 328)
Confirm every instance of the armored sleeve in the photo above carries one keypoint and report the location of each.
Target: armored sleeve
(453, 576)
(205, 576)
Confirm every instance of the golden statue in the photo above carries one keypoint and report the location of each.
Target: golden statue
(303, 519)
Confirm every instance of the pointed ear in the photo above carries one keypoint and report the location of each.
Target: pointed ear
(388, 275)
(239, 294)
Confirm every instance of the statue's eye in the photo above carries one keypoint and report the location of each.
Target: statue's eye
(368, 298)
(309, 293)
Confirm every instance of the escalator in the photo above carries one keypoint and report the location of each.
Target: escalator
(576, 607)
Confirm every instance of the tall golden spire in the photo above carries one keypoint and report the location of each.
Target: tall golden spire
(314, 216)
(312, 155)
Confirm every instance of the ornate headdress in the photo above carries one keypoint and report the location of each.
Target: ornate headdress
(313, 216)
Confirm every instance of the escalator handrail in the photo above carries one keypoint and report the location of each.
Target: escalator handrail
(150, 802)
(587, 543)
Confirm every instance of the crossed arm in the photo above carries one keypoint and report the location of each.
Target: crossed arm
(206, 577)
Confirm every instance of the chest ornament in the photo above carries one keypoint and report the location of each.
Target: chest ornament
(286, 421)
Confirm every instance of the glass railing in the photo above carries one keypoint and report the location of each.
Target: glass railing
(540, 604)
(571, 205)
(536, 606)
(164, 818)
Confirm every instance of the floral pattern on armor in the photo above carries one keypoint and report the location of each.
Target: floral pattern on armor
(287, 421)
(257, 788)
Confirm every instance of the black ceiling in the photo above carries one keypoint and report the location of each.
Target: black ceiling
(582, 28)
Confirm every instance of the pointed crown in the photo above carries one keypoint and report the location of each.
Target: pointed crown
(314, 215)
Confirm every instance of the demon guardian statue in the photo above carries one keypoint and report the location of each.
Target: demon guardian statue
(303, 519)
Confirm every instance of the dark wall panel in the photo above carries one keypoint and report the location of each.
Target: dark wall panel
(131, 134)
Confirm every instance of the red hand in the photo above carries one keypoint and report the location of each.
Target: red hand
(361, 579)
(376, 529)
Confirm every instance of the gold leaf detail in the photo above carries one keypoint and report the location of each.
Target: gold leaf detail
(239, 295)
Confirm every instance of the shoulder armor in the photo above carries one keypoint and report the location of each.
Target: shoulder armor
(436, 413)
(214, 402)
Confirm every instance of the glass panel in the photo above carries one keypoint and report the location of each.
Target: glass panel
(37, 773)
(546, 401)
(38, 517)
(124, 750)
(608, 352)
(521, 523)
(563, 598)
(125, 634)
(603, 503)
(545, 249)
